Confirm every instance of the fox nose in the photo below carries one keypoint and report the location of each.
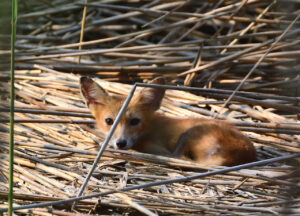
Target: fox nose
(121, 143)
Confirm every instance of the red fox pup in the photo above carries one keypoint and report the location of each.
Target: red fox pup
(143, 129)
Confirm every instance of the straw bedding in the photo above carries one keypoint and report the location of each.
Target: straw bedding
(212, 45)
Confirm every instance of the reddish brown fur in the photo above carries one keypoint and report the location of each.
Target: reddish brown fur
(204, 141)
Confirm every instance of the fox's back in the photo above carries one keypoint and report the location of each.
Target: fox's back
(202, 140)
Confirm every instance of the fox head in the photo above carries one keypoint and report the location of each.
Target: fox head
(137, 117)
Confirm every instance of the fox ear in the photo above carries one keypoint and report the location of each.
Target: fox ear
(92, 92)
(152, 97)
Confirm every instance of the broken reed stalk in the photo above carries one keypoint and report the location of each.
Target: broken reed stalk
(82, 28)
(49, 112)
(136, 205)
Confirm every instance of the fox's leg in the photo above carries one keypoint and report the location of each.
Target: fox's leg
(200, 144)
(181, 143)
(184, 143)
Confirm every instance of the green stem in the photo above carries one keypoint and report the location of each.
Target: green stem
(12, 105)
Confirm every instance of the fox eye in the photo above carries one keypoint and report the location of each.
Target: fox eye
(109, 121)
(134, 121)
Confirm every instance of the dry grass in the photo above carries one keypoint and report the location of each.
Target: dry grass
(212, 45)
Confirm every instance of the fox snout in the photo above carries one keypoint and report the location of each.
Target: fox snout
(124, 137)
(121, 143)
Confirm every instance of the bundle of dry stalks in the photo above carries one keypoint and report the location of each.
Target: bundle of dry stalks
(246, 51)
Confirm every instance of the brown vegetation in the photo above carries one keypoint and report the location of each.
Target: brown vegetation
(242, 55)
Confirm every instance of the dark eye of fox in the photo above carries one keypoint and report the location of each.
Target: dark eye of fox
(134, 121)
(109, 121)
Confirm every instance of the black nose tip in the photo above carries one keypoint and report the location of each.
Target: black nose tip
(121, 143)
